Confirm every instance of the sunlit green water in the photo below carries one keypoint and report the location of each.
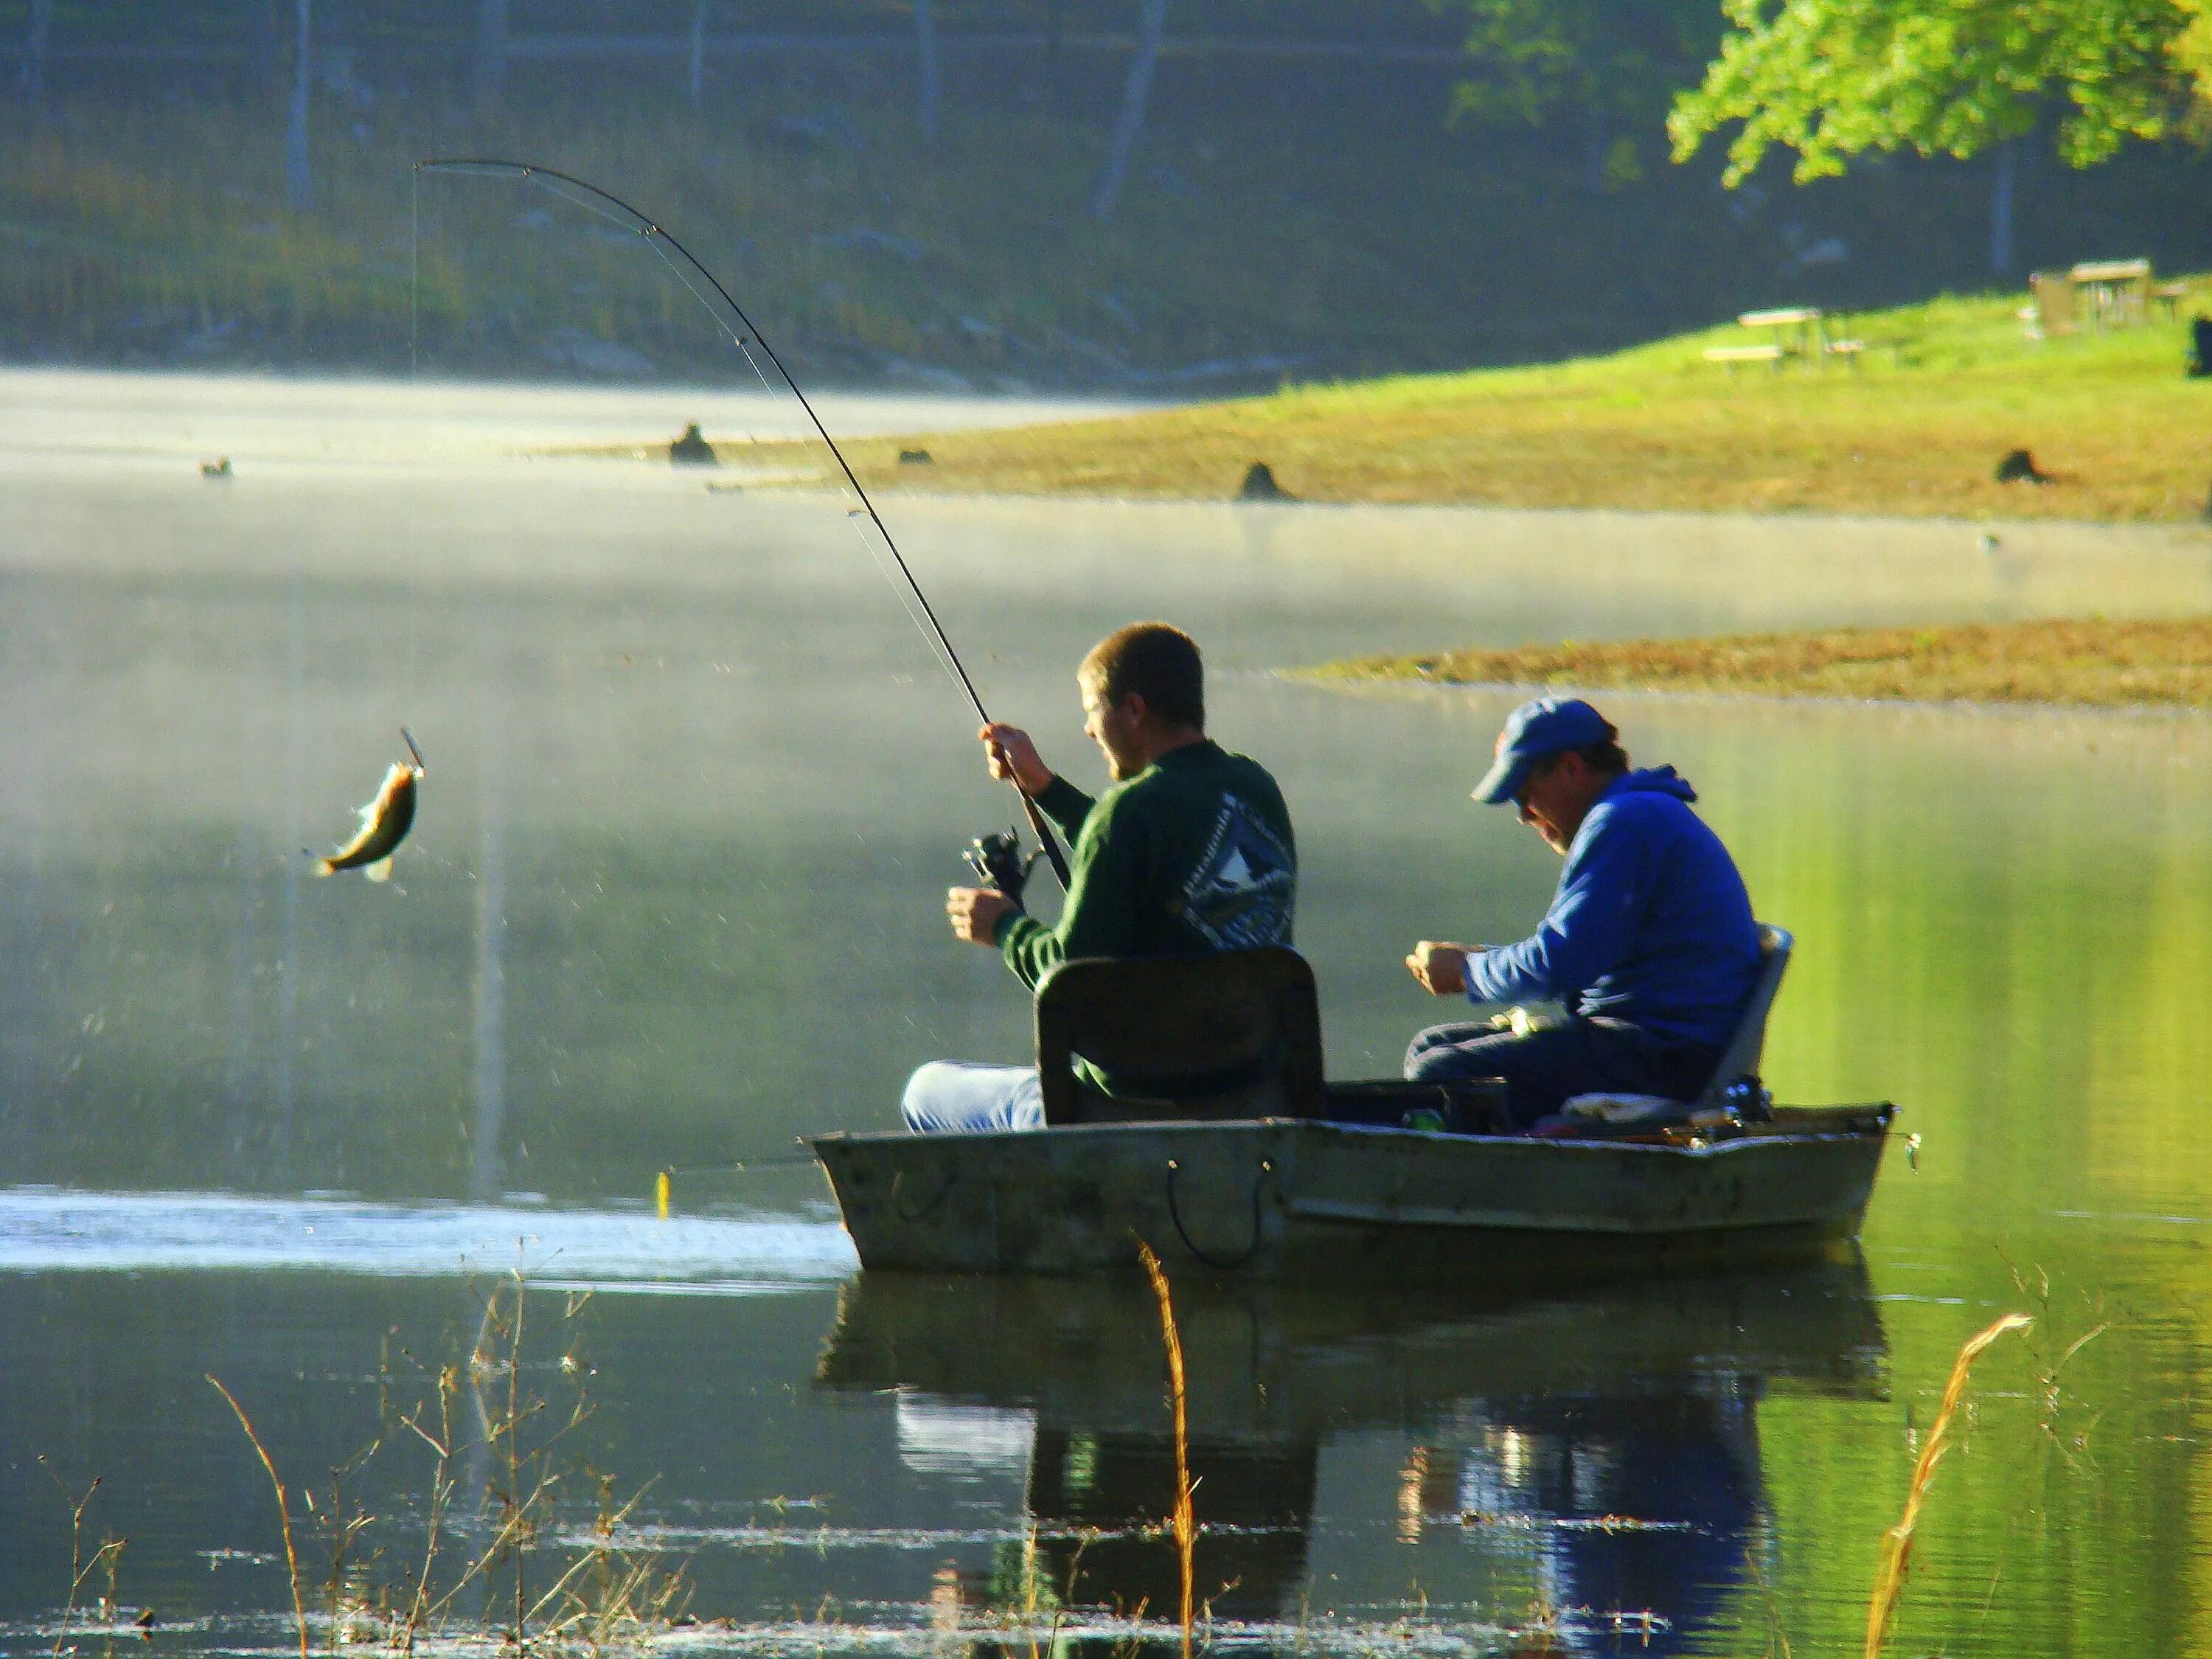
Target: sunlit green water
(695, 788)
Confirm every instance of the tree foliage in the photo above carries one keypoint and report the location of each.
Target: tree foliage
(1832, 79)
(1617, 58)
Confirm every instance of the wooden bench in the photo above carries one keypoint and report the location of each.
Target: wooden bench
(1731, 356)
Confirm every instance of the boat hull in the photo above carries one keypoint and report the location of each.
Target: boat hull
(1279, 1198)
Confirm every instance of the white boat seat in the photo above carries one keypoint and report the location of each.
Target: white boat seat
(1738, 1060)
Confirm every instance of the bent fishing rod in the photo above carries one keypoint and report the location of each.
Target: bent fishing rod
(744, 335)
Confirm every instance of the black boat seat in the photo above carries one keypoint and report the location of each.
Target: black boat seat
(1233, 1035)
(1230, 1036)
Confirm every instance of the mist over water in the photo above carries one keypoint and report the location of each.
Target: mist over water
(695, 788)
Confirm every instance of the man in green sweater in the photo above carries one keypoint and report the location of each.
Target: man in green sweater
(1190, 851)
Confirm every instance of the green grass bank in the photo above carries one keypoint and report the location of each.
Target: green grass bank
(1941, 391)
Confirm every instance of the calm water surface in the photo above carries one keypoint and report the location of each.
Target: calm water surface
(695, 788)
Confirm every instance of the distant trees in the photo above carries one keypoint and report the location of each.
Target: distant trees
(1832, 79)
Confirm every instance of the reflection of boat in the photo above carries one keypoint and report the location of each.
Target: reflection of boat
(1599, 1453)
(1282, 1197)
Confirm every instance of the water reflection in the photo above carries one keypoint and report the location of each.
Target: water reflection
(1595, 1460)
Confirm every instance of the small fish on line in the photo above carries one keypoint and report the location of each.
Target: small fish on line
(385, 822)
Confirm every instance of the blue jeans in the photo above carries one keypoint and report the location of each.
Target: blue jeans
(959, 1097)
(1549, 1067)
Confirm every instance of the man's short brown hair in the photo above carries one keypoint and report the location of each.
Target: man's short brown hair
(1153, 661)
(1605, 758)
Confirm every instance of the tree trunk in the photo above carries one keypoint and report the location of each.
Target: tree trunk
(1054, 88)
(2001, 187)
(697, 80)
(933, 94)
(33, 75)
(1151, 24)
(491, 55)
(299, 183)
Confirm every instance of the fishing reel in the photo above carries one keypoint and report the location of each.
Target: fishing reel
(998, 862)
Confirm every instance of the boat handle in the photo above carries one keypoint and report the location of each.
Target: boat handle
(926, 1210)
(1220, 1263)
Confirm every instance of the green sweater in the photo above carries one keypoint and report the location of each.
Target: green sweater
(1192, 854)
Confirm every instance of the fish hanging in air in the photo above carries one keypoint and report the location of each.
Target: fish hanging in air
(385, 822)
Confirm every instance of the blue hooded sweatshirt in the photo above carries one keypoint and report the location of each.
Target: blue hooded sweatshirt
(1650, 923)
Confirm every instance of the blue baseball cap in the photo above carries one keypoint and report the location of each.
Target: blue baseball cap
(1545, 726)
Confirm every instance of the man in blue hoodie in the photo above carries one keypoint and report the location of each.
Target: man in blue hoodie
(1649, 941)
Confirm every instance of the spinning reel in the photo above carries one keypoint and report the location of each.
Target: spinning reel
(998, 862)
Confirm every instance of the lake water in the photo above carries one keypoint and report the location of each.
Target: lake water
(695, 789)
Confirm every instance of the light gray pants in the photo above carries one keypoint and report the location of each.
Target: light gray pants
(960, 1096)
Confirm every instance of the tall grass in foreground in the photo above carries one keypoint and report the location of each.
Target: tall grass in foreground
(283, 1510)
(1186, 1524)
(600, 1596)
(81, 1569)
(1896, 1542)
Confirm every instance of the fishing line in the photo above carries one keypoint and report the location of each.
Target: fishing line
(744, 335)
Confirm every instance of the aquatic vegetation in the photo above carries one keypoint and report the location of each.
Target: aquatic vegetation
(605, 1590)
(104, 1558)
(1185, 1520)
(1896, 1542)
(283, 1509)
(2094, 662)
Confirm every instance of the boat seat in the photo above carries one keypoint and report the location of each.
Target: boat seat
(1233, 1035)
(1740, 1059)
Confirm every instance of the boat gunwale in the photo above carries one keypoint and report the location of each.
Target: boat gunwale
(1183, 1128)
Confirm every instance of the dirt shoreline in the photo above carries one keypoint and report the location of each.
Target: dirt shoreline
(2060, 663)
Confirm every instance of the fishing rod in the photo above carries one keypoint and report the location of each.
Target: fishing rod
(663, 244)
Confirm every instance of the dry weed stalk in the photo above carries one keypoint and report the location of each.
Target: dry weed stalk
(441, 1491)
(1186, 1524)
(283, 1510)
(1896, 1542)
(81, 1569)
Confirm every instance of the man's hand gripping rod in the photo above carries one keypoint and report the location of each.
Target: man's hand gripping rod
(599, 201)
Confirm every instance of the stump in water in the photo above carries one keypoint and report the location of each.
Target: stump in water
(692, 450)
(2018, 467)
(1260, 485)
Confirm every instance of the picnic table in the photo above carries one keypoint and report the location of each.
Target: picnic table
(2117, 291)
(2106, 293)
(1803, 331)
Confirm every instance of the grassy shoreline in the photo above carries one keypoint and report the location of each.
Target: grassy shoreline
(1940, 393)
(2058, 662)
